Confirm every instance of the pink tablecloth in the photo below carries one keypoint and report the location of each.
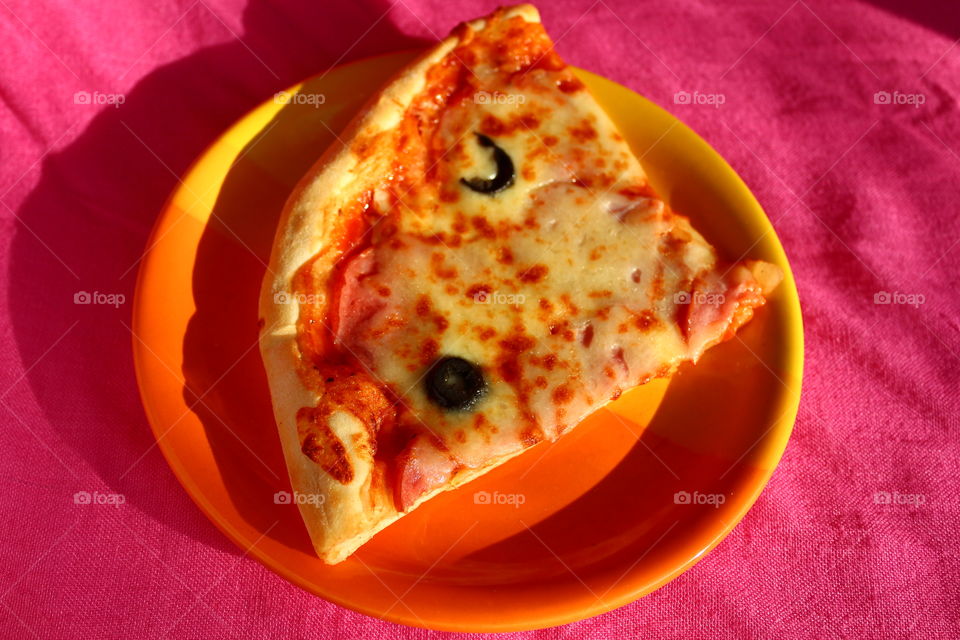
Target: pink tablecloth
(842, 117)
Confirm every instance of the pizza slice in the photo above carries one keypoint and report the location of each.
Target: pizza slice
(477, 266)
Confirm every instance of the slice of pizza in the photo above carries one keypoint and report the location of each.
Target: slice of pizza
(476, 266)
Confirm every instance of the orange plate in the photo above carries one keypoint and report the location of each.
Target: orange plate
(562, 533)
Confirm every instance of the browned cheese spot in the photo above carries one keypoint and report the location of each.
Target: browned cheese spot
(536, 273)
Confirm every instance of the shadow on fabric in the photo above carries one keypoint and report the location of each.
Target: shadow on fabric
(84, 228)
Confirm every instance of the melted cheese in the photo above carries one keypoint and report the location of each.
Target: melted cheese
(574, 283)
(561, 287)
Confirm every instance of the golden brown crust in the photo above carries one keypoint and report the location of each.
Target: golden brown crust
(352, 507)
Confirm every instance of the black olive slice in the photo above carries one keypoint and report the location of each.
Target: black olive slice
(455, 384)
(505, 171)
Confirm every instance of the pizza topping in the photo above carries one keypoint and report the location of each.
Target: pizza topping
(344, 391)
(586, 335)
(716, 307)
(504, 177)
(455, 384)
(421, 467)
(321, 444)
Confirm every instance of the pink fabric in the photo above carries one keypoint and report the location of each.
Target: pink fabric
(877, 182)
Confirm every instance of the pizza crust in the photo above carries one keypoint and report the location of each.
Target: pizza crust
(348, 514)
